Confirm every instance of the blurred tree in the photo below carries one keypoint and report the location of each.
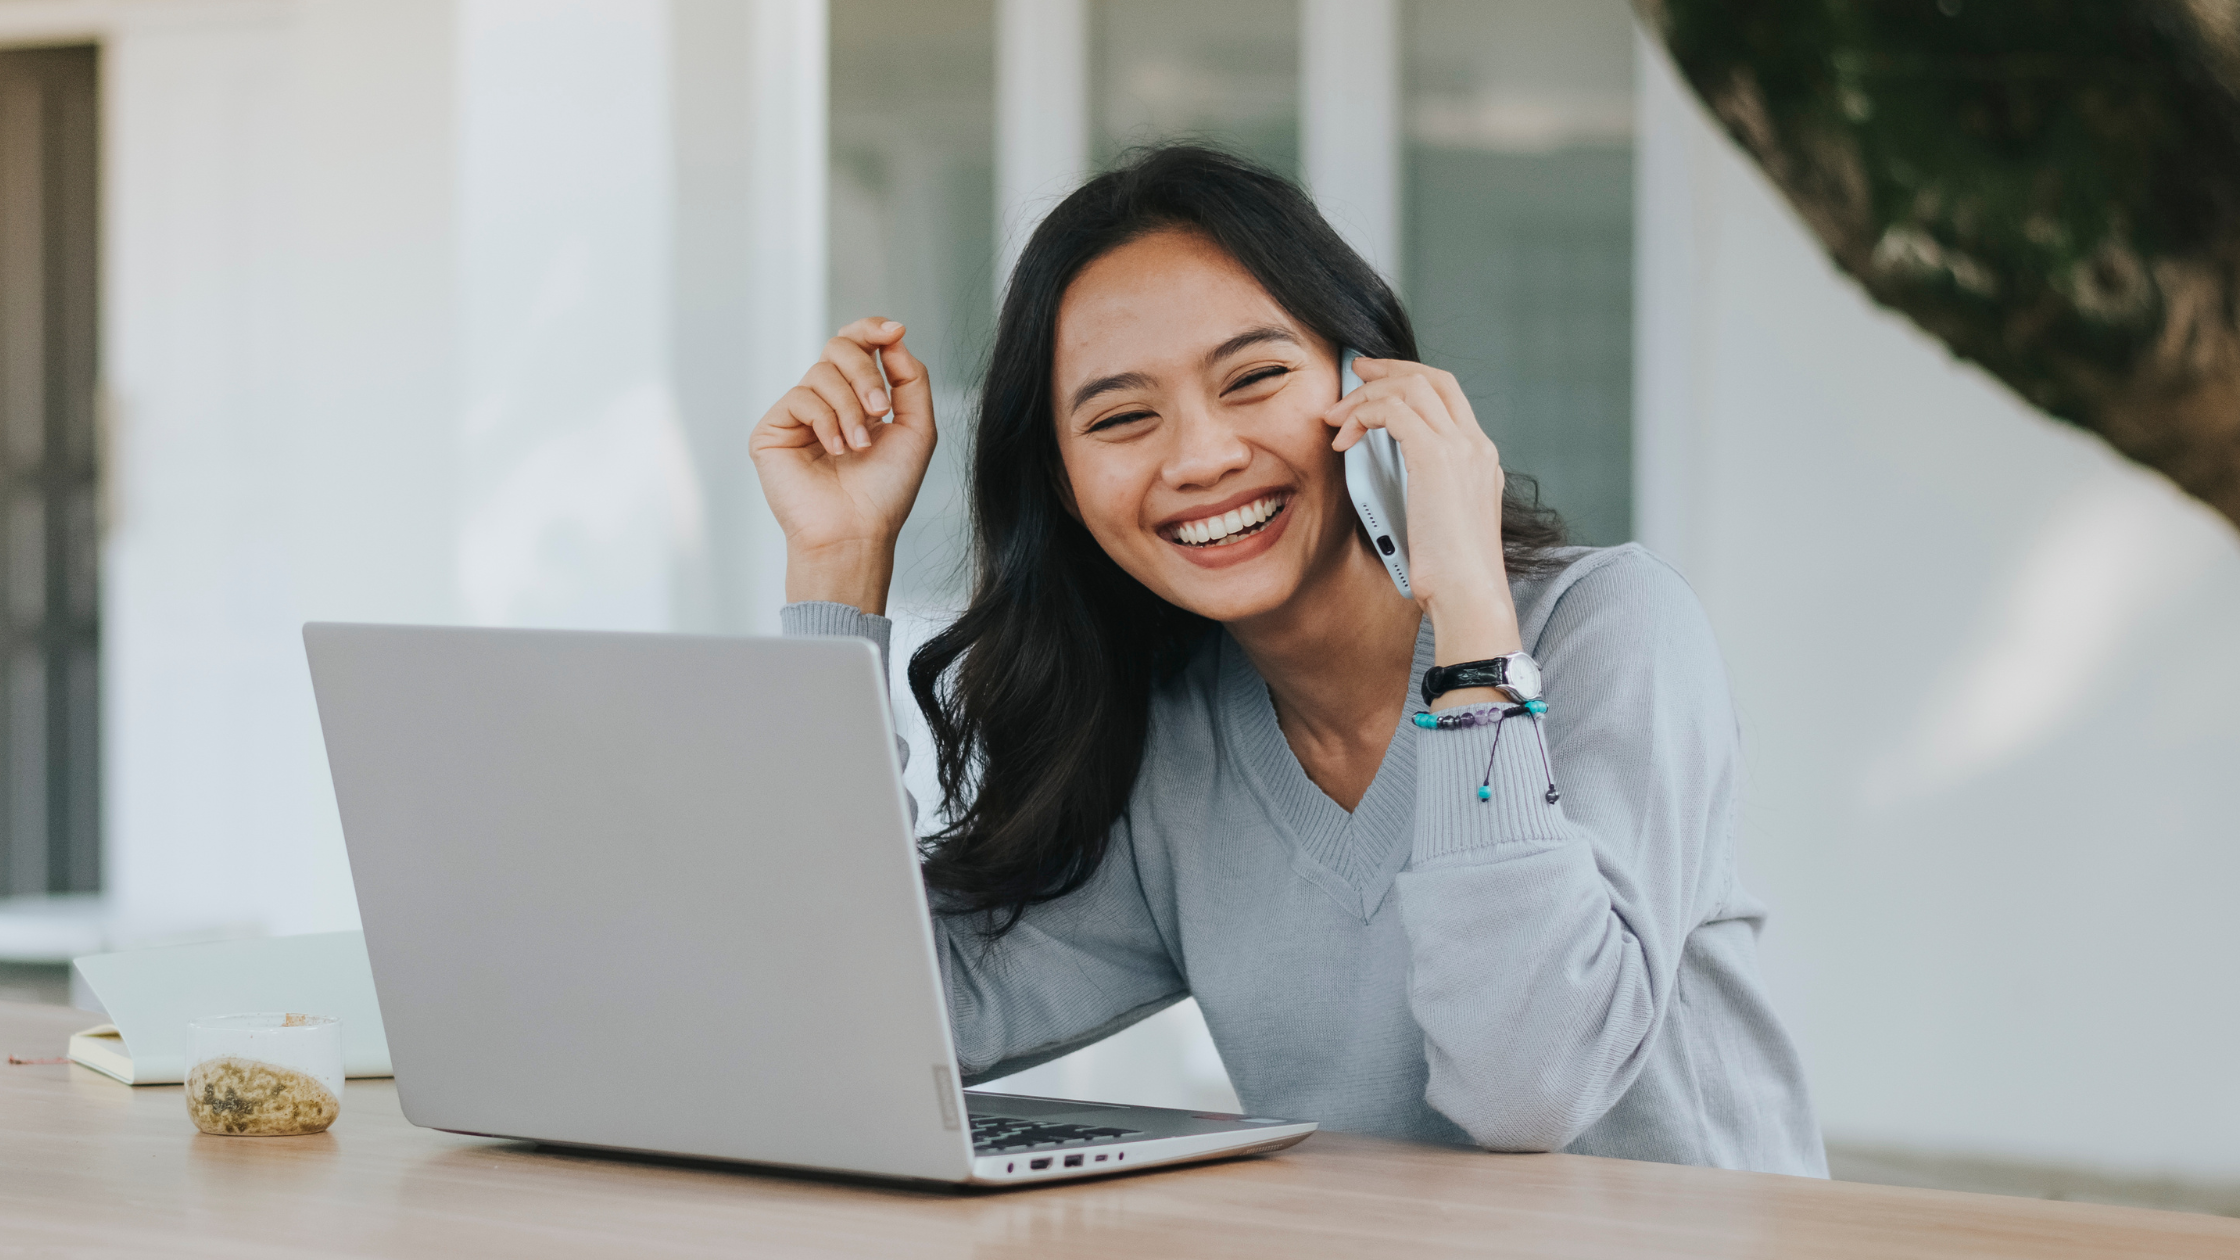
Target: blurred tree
(2052, 187)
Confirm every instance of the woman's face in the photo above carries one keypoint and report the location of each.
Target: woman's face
(1189, 413)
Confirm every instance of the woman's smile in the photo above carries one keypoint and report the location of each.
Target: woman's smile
(1229, 532)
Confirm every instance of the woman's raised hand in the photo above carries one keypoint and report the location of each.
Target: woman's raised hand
(1455, 564)
(839, 479)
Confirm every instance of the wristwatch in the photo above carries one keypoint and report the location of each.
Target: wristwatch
(1516, 674)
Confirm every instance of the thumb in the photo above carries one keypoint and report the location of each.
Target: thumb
(911, 386)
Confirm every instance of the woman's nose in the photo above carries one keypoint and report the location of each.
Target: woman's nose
(1205, 451)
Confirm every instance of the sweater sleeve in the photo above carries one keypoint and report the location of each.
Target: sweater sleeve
(1071, 972)
(1545, 938)
(812, 619)
(822, 619)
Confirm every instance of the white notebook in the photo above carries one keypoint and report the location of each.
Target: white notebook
(150, 994)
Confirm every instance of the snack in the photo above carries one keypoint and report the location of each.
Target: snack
(233, 1095)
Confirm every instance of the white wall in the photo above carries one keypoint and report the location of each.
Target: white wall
(1986, 677)
(208, 789)
(391, 333)
(579, 502)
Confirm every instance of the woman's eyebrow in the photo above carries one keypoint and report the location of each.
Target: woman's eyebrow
(1107, 384)
(1249, 337)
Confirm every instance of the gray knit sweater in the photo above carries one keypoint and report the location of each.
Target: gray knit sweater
(1579, 976)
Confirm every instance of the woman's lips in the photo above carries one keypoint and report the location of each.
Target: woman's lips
(1236, 548)
(1218, 527)
(1224, 527)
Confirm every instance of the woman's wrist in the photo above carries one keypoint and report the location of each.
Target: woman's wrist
(853, 573)
(1475, 631)
(1479, 632)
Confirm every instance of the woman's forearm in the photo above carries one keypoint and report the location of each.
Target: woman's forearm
(1552, 888)
(1478, 630)
(855, 574)
(1533, 994)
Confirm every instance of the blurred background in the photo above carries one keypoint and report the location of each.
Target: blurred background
(460, 310)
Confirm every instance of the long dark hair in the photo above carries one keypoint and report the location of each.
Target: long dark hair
(1039, 696)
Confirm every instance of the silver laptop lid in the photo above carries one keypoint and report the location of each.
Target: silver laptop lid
(654, 892)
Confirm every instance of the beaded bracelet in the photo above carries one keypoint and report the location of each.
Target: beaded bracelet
(1496, 716)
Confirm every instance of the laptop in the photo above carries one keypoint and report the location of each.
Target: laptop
(660, 893)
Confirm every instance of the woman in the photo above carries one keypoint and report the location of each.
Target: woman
(1177, 726)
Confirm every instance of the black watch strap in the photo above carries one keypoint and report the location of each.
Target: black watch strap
(1441, 679)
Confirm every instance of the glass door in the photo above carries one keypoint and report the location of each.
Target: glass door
(50, 769)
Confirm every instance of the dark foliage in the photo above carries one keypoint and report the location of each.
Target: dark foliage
(2051, 187)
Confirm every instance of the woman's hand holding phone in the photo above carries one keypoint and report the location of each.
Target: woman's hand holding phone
(840, 479)
(1455, 564)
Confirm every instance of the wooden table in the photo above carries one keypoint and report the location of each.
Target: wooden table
(91, 1166)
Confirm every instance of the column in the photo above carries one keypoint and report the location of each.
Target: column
(1349, 121)
(786, 258)
(1042, 116)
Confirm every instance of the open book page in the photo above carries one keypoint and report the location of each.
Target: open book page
(150, 994)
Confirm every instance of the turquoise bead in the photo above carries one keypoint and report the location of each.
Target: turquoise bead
(1426, 721)
(1485, 793)
(1537, 706)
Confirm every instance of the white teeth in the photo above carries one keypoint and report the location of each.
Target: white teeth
(1212, 529)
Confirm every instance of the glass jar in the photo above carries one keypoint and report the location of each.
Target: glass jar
(264, 1075)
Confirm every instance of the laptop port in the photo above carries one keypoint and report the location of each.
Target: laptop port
(1039, 1164)
(1073, 1161)
(1103, 1158)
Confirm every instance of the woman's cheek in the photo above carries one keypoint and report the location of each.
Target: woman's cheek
(1112, 511)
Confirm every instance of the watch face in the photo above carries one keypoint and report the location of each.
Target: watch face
(1523, 676)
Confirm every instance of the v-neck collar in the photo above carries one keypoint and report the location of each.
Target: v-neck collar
(1352, 857)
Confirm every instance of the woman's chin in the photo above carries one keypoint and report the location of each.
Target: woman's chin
(1234, 592)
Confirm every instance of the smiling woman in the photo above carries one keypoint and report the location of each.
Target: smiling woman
(1176, 727)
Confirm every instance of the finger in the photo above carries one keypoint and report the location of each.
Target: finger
(1346, 406)
(1389, 412)
(1342, 416)
(861, 371)
(1425, 400)
(1403, 388)
(1458, 403)
(1405, 373)
(780, 427)
(912, 385)
(872, 332)
(808, 409)
(839, 394)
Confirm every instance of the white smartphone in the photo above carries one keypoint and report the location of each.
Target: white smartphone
(1377, 479)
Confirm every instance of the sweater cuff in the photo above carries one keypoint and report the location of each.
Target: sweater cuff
(1451, 765)
(821, 619)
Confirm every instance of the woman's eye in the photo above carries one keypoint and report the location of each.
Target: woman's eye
(1126, 417)
(1258, 376)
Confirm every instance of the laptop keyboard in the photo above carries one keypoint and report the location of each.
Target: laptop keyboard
(1009, 1133)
